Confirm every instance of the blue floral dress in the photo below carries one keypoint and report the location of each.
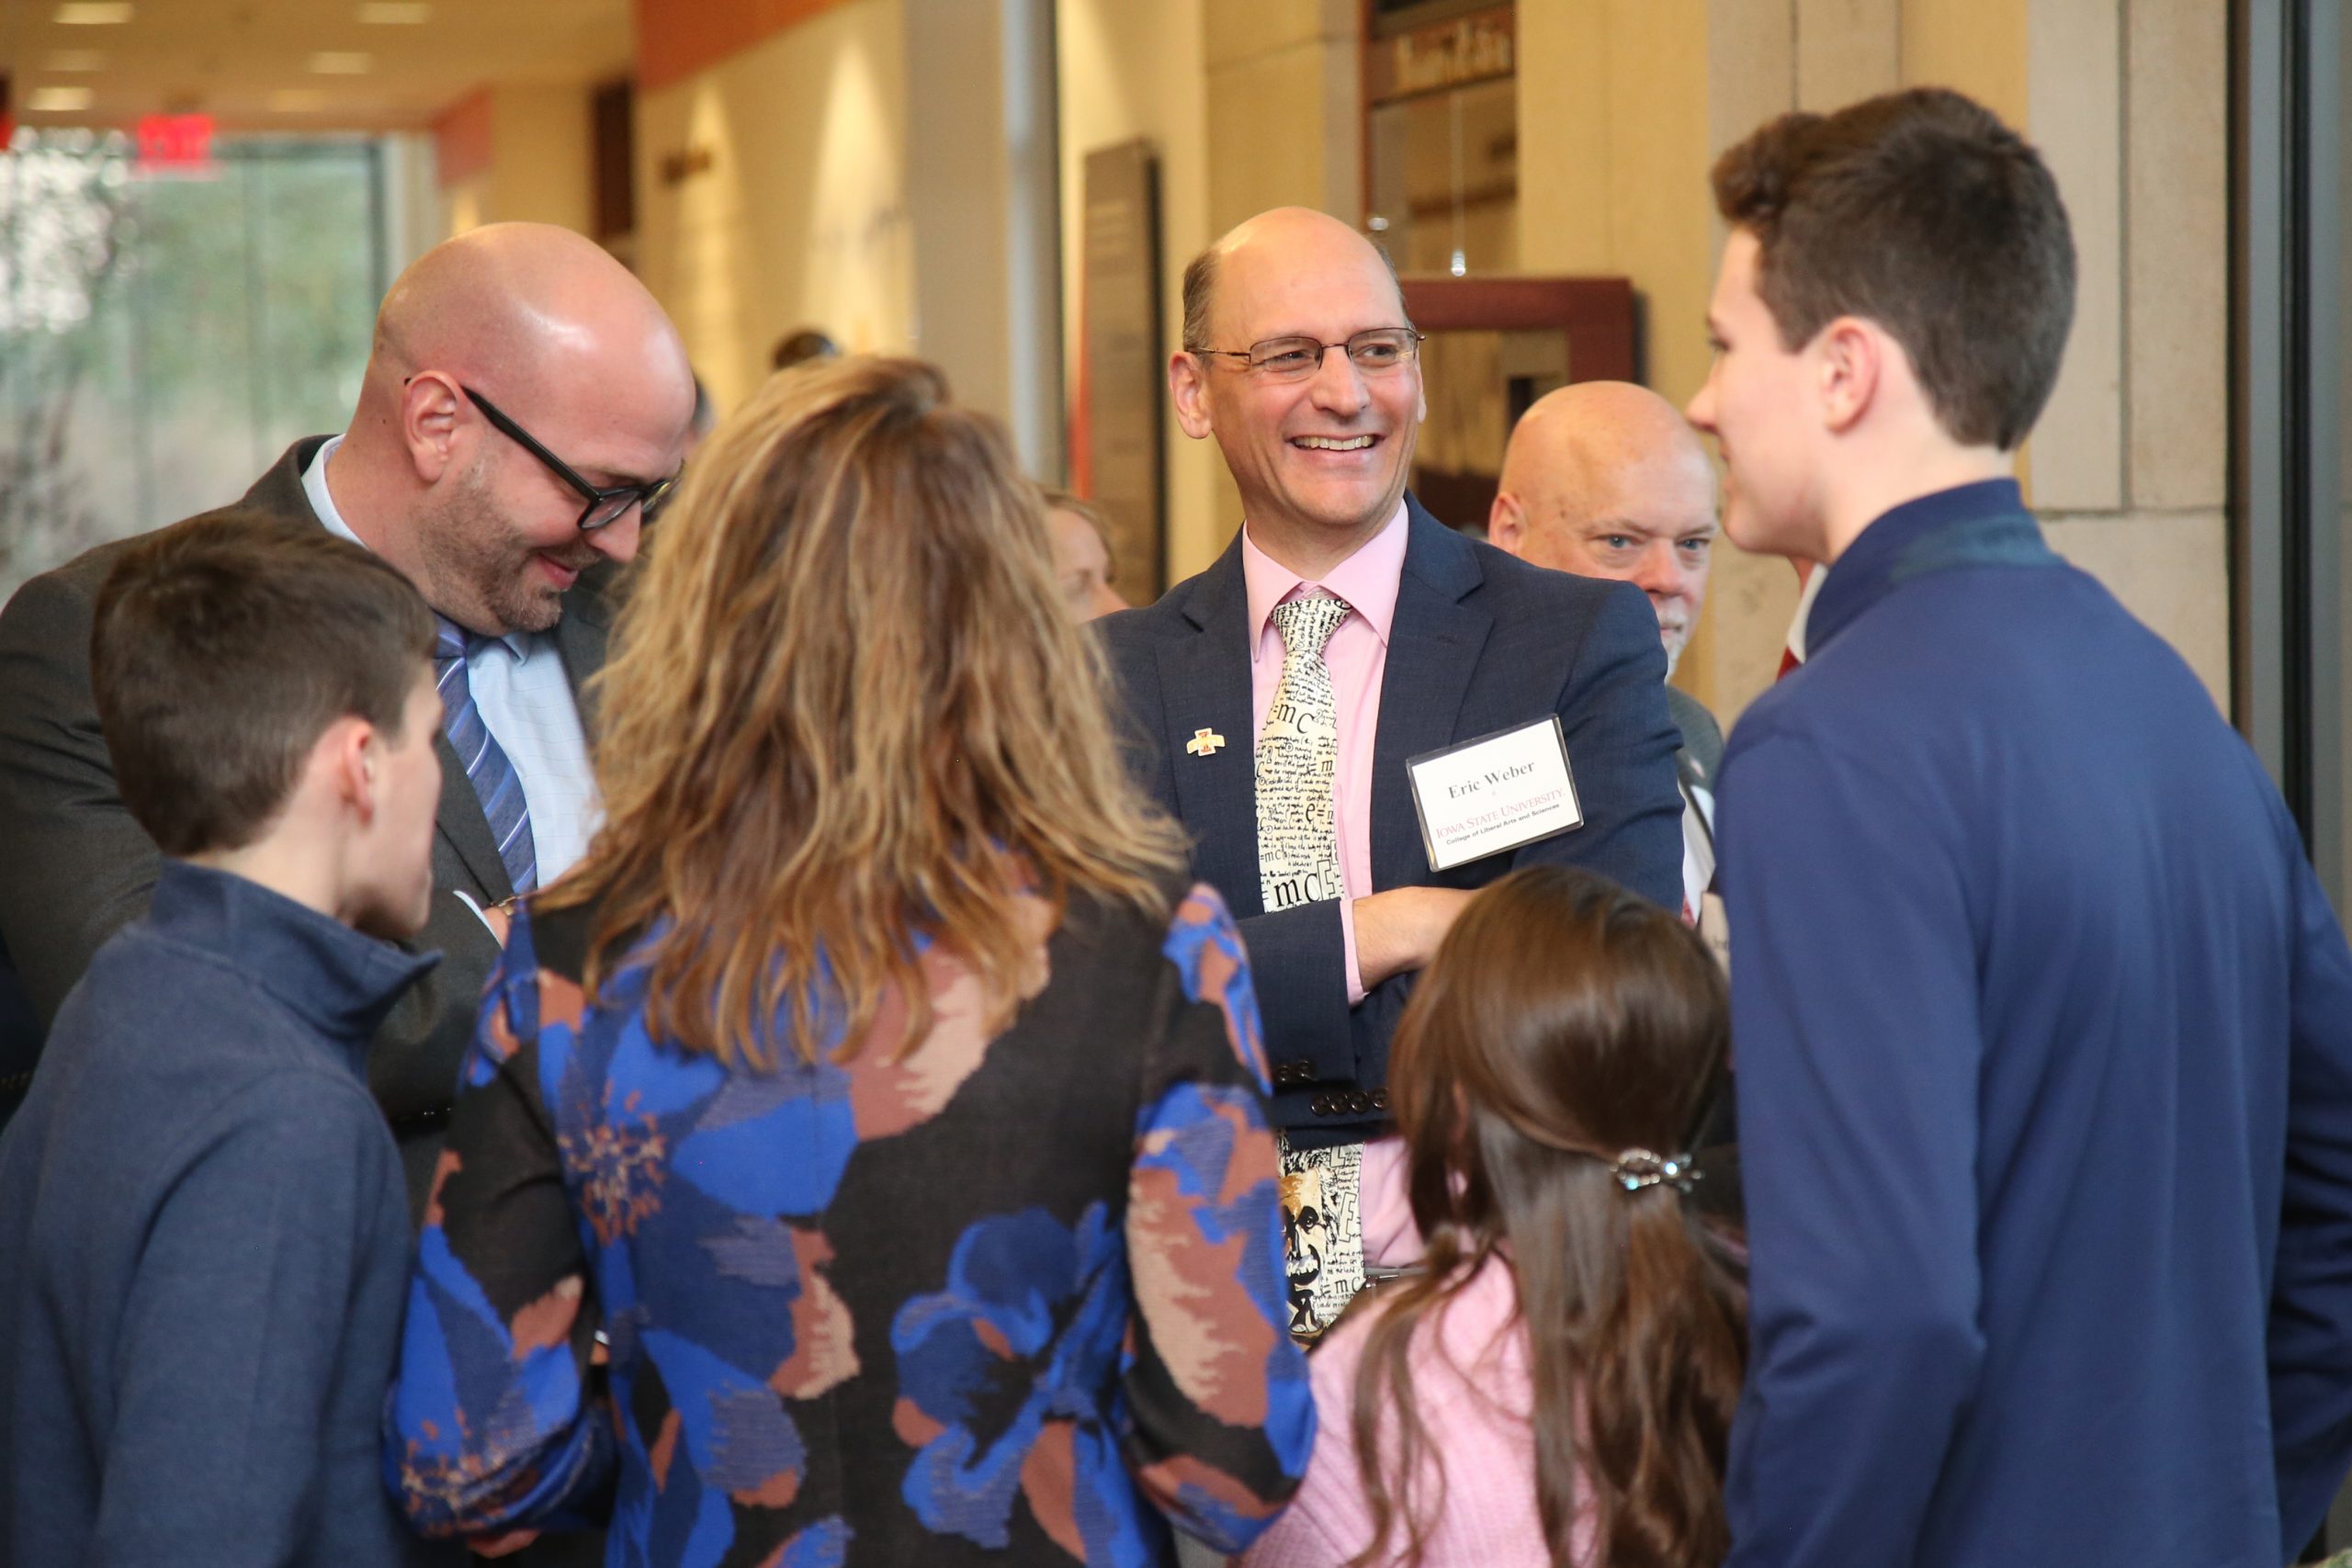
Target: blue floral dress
(1010, 1299)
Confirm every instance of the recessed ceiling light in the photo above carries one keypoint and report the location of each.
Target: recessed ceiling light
(395, 13)
(58, 100)
(92, 13)
(75, 60)
(341, 62)
(298, 100)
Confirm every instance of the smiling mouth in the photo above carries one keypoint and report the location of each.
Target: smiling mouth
(1334, 443)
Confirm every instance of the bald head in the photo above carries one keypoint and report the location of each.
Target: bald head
(1604, 479)
(507, 337)
(1319, 441)
(524, 311)
(1298, 240)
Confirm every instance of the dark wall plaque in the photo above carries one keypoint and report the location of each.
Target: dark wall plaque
(1119, 443)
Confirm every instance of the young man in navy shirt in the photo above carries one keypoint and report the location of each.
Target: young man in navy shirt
(204, 1238)
(2044, 1025)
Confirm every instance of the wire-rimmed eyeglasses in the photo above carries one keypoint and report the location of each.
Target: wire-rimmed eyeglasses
(1373, 352)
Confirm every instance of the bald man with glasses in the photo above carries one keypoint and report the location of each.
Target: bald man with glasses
(526, 402)
(1284, 700)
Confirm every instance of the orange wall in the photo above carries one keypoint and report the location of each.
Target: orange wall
(677, 38)
(463, 136)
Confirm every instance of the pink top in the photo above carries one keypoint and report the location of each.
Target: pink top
(1357, 657)
(1470, 1382)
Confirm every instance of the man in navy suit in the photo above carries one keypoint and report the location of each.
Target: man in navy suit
(2044, 1027)
(1280, 695)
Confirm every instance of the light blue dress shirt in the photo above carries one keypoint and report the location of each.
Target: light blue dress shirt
(518, 682)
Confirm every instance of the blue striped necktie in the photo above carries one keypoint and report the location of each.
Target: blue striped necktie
(496, 785)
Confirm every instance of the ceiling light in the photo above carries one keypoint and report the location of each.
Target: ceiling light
(395, 13)
(58, 100)
(92, 13)
(298, 100)
(75, 60)
(341, 62)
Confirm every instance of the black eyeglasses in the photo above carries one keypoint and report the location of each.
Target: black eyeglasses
(605, 504)
(1371, 351)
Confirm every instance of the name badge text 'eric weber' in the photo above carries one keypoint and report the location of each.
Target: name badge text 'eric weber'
(1495, 793)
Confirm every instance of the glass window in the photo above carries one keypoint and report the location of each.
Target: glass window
(164, 337)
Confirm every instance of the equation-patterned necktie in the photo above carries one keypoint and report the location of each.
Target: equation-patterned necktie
(1299, 763)
(496, 785)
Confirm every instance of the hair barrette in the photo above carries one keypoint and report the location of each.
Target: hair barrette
(1636, 1168)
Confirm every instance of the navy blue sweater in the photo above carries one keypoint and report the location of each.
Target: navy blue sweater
(2044, 1034)
(204, 1247)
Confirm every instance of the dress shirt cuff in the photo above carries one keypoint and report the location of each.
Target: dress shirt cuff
(1348, 945)
(1391, 1240)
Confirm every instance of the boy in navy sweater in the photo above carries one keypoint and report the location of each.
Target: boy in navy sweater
(204, 1237)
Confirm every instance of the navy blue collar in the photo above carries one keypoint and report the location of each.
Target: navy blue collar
(1984, 524)
(336, 980)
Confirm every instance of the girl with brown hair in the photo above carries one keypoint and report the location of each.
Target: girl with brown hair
(877, 1098)
(1556, 1386)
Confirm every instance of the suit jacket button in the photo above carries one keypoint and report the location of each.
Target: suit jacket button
(1359, 1103)
(1380, 1099)
(1320, 1105)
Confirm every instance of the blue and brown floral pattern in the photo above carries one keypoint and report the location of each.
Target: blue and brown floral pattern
(1042, 1264)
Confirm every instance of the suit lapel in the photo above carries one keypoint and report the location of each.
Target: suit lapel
(1433, 647)
(1204, 684)
(580, 639)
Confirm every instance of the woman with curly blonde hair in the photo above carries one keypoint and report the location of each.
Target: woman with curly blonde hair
(876, 1096)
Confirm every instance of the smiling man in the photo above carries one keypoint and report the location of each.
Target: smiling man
(1278, 697)
(525, 397)
(1604, 479)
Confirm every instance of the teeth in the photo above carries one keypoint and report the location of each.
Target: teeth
(1335, 443)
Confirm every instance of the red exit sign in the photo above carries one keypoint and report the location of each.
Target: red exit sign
(175, 141)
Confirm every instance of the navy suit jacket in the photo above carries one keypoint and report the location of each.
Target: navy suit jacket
(1480, 642)
(2044, 1032)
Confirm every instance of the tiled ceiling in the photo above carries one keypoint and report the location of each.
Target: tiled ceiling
(300, 65)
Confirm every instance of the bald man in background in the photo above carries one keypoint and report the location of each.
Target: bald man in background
(524, 398)
(1604, 479)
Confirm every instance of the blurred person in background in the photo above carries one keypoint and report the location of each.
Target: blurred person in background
(1604, 479)
(802, 347)
(1558, 1385)
(1082, 561)
(879, 1088)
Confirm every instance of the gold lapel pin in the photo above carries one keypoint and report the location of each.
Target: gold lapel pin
(1203, 743)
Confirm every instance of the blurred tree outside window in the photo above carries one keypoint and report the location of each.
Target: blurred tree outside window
(165, 335)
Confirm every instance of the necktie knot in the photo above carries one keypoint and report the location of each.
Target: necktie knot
(451, 641)
(1307, 625)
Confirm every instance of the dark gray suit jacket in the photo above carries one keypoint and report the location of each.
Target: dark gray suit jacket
(76, 868)
(1480, 642)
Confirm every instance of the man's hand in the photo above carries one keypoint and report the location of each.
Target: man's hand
(1399, 930)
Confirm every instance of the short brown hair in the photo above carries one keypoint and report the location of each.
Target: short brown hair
(221, 650)
(1921, 211)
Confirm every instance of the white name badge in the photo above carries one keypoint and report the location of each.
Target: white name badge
(1495, 793)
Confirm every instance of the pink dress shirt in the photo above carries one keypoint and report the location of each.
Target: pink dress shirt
(1357, 657)
(1471, 1386)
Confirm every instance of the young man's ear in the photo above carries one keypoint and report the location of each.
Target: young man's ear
(346, 758)
(1851, 361)
(1188, 388)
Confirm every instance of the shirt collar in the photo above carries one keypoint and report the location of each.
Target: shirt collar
(314, 486)
(1981, 523)
(332, 977)
(1366, 579)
